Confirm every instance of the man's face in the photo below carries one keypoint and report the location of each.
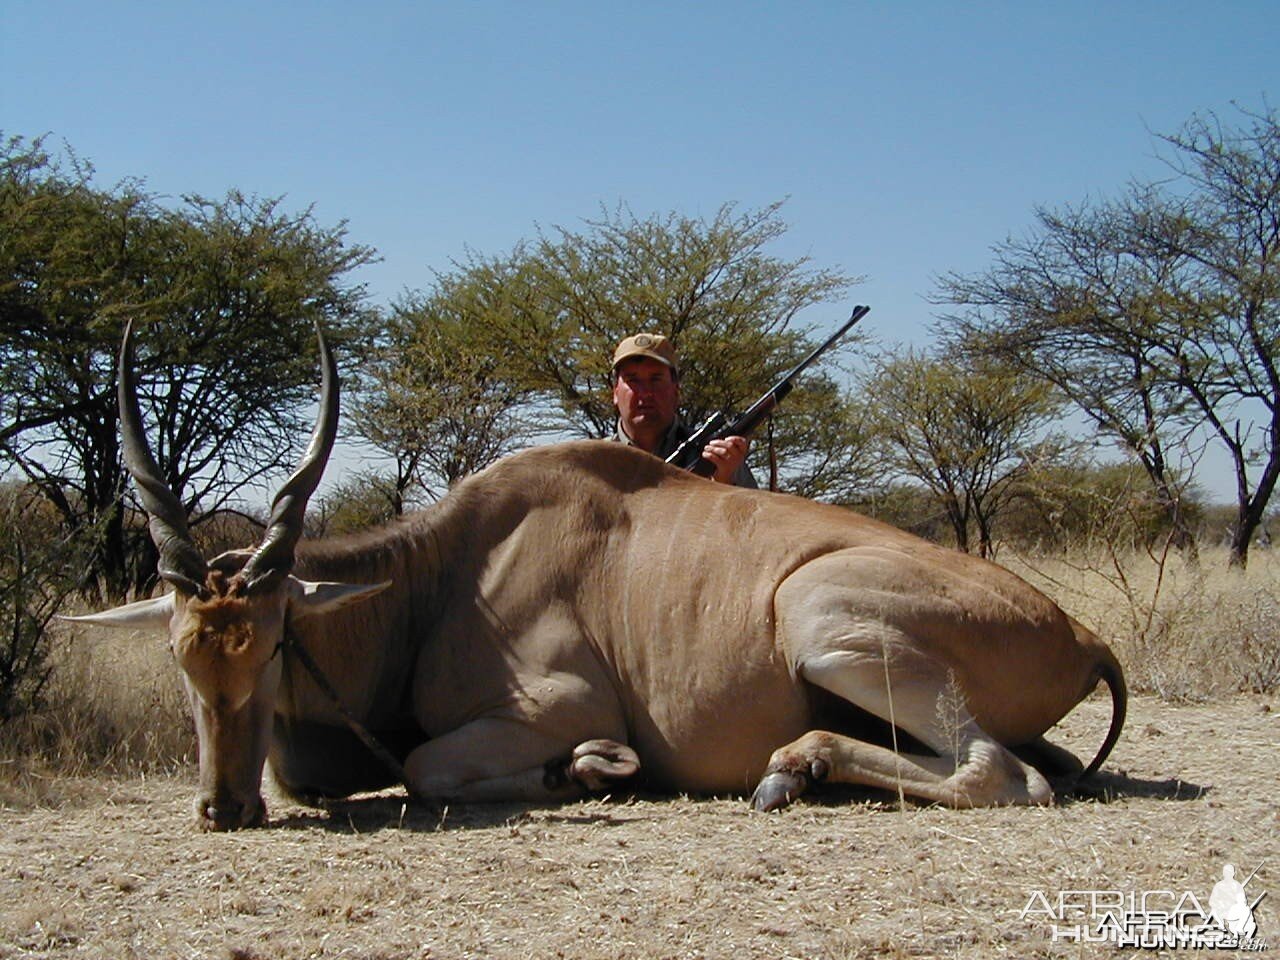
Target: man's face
(646, 394)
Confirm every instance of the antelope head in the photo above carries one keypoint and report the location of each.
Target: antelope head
(226, 618)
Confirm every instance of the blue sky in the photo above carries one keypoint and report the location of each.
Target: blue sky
(907, 137)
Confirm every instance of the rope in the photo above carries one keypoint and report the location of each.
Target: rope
(384, 755)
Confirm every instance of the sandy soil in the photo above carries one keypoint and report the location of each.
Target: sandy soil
(117, 870)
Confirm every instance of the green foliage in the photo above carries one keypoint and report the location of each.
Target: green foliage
(507, 350)
(439, 397)
(1050, 507)
(359, 502)
(1079, 504)
(911, 507)
(1158, 314)
(711, 286)
(967, 431)
(225, 295)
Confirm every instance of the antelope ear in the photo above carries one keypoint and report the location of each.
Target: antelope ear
(311, 597)
(142, 613)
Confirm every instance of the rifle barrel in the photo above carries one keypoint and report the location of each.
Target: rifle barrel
(858, 313)
(691, 459)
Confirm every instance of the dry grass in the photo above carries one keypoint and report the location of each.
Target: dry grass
(114, 707)
(124, 874)
(1183, 632)
(111, 866)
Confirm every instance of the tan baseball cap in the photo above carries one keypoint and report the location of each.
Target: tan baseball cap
(652, 345)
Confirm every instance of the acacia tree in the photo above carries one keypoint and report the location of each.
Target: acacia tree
(1072, 304)
(967, 431)
(546, 317)
(225, 294)
(1220, 347)
(1160, 313)
(435, 398)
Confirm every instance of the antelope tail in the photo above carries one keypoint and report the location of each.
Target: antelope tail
(1110, 672)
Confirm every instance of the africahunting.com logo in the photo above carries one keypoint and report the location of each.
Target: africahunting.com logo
(1154, 919)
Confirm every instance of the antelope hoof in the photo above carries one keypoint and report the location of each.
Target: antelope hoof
(221, 816)
(778, 789)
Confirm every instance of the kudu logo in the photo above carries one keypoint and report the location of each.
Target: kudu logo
(1155, 919)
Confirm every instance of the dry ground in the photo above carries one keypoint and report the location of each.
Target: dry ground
(117, 870)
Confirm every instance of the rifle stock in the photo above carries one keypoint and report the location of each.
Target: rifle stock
(688, 456)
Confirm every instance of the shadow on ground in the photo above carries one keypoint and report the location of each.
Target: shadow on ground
(370, 814)
(397, 812)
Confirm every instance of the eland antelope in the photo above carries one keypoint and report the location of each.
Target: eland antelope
(582, 614)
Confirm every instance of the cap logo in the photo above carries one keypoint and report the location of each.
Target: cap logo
(643, 340)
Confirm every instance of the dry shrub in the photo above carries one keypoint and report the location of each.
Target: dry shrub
(1184, 631)
(113, 705)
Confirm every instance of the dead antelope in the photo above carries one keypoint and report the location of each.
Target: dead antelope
(581, 614)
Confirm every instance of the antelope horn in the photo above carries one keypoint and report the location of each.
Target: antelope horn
(181, 564)
(274, 558)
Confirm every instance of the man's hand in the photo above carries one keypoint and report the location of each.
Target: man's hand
(727, 454)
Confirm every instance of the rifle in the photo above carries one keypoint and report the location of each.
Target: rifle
(688, 456)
